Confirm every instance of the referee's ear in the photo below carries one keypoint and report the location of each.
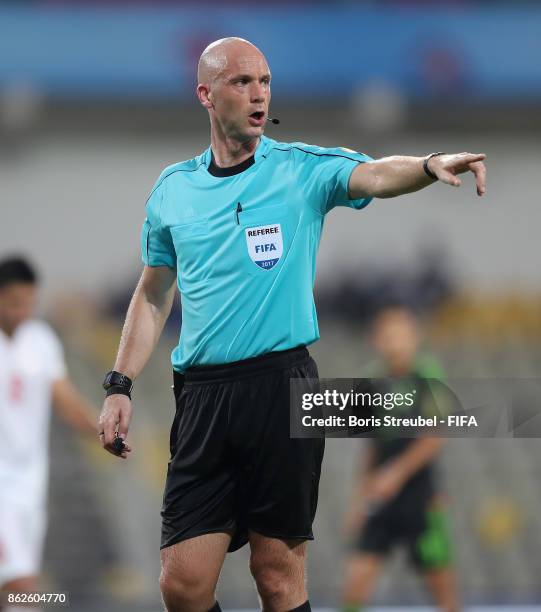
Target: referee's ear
(205, 96)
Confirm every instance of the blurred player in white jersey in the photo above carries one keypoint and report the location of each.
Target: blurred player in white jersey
(32, 378)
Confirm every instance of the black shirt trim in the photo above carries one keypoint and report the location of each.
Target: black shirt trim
(321, 154)
(231, 170)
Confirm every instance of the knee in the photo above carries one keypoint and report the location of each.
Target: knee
(275, 582)
(185, 590)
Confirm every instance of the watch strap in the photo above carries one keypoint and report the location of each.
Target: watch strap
(427, 170)
(118, 390)
(117, 379)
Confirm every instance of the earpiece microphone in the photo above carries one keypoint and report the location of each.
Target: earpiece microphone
(275, 121)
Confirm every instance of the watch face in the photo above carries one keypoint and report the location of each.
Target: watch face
(115, 378)
(123, 380)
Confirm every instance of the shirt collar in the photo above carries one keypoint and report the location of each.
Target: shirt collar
(265, 144)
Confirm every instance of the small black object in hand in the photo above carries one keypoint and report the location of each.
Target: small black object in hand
(118, 445)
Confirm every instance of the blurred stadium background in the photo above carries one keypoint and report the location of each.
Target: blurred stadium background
(97, 97)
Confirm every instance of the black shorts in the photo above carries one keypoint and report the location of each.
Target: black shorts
(414, 522)
(233, 464)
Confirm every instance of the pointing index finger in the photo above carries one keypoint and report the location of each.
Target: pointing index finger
(474, 157)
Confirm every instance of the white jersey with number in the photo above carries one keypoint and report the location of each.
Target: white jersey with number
(30, 361)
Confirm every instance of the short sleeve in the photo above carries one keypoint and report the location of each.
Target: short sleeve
(157, 247)
(325, 175)
(54, 352)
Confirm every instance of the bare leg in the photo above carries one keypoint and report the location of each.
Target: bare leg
(278, 569)
(361, 575)
(190, 571)
(442, 585)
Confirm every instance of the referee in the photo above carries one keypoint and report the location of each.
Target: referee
(238, 228)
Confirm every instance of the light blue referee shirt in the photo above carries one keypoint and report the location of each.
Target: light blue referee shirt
(244, 247)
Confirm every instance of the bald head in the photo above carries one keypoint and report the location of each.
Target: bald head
(231, 52)
(234, 86)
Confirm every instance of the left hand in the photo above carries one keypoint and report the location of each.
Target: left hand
(446, 167)
(384, 484)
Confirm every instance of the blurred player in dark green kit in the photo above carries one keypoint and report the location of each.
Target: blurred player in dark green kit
(397, 497)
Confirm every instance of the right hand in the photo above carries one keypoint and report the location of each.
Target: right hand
(114, 422)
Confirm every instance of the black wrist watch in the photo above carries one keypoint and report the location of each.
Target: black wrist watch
(427, 170)
(117, 383)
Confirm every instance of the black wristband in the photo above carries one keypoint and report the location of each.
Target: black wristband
(118, 390)
(427, 170)
(116, 382)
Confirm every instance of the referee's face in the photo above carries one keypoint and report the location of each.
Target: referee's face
(241, 94)
(17, 304)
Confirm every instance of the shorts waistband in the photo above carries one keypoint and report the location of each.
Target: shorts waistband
(276, 360)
